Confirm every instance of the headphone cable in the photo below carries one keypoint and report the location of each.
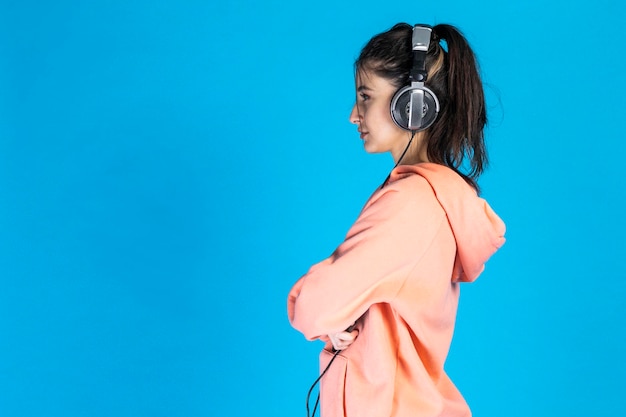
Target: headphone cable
(413, 132)
(308, 396)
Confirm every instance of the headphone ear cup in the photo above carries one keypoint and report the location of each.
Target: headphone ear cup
(401, 103)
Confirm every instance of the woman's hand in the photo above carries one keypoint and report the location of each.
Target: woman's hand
(343, 339)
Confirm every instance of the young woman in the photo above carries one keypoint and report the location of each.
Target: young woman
(385, 301)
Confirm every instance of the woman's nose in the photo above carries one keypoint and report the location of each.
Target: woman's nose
(355, 118)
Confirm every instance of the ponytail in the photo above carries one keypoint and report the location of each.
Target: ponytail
(458, 132)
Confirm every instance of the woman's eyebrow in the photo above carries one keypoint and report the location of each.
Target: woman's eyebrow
(363, 88)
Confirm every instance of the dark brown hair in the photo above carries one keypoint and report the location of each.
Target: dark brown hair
(453, 75)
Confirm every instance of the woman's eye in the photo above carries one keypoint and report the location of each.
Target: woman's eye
(364, 97)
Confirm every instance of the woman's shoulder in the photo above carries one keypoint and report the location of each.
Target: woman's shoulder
(432, 172)
(405, 188)
(424, 186)
(428, 178)
(443, 181)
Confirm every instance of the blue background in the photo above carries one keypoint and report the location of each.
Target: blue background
(169, 169)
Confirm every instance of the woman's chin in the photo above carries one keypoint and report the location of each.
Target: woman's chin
(371, 149)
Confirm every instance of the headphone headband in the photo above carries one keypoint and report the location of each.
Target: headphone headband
(420, 43)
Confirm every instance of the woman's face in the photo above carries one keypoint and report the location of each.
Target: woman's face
(372, 116)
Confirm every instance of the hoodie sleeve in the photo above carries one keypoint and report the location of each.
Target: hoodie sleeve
(385, 243)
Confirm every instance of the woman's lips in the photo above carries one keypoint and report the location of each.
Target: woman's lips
(362, 134)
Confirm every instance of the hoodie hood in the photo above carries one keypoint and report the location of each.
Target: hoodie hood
(478, 231)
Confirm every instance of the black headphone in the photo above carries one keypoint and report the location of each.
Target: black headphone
(415, 107)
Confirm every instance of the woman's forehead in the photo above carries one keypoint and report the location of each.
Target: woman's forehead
(366, 79)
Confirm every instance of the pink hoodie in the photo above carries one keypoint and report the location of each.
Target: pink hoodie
(397, 276)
